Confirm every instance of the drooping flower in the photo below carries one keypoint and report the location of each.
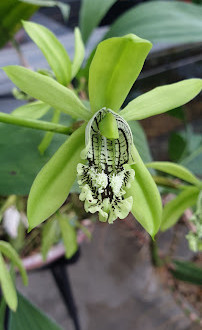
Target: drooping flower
(111, 174)
(104, 179)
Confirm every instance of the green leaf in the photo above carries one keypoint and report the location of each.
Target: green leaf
(2, 312)
(32, 110)
(194, 161)
(174, 209)
(178, 113)
(141, 142)
(7, 286)
(30, 317)
(10, 253)
(187, 272)
(176, 170)
(49, 236)
(91, 14)
(53, 50)
(21, 160)
(69, 235)
(147, 206)
(176, 146)
(64, 8)
(53, 183)
(162, 99)
(47, 90)
(161, 21)
(116, 65)
(11, 14)
(79, 53)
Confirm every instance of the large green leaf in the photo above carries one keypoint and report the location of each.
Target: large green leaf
(29, 317)
(7, 286)
(116, 65)
(69, 235)
(11, 14)
(47, 90)
(187, 272)
(162, 99)
(21, 160)
(7, 250)
(91, 13)
(174, 209)
(32, 110)
(147, 206)
(176, 170)
(161, 21)
(52, 49)
(53, 183)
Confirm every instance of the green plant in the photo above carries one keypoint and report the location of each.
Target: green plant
(157, 21)
(100, 150)
(110, 80)
(13, 11)
(187, 194)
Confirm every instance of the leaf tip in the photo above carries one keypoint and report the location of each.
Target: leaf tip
(29, 229)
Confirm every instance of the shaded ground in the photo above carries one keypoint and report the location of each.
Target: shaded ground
(114, 285)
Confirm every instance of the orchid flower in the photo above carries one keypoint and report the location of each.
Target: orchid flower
(101, 154)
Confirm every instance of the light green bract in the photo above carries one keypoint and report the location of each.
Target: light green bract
(104, 179)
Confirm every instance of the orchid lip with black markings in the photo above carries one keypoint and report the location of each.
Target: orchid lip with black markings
(104, 179)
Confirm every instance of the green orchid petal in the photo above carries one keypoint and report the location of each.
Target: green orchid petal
(47, 90)
(162, 99)
(114, 69)
(53, 183)
(79, 52)
(147, 206)
(53, 50)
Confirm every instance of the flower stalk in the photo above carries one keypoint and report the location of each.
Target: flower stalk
(35, 124)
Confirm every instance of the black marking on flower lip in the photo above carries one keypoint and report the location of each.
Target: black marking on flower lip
(104, 179)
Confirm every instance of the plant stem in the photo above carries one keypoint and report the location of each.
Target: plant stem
(16, 45)
(156, 260)
(49, 135)
(35, 124)
(163, 181)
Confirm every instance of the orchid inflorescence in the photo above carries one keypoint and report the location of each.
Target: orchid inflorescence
(101, 153)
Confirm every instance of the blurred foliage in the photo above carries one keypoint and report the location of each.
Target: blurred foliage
(187, 272)
(11, 14)
(30, 317)
(185, 147)
(157, 21)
